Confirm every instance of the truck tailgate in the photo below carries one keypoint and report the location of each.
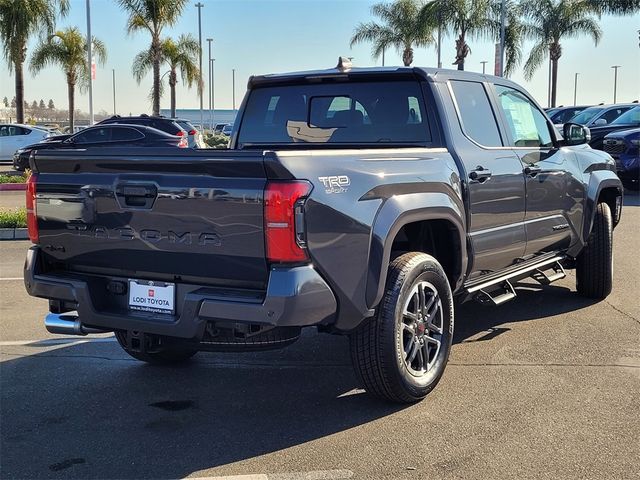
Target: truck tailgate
(196, 216)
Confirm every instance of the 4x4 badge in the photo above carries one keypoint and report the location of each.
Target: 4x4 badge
(335, 183)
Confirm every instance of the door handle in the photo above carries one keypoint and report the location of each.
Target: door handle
(136, 195)
(532, 170)
(480, 174)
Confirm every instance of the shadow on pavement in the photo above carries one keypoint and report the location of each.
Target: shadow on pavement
(87, 411)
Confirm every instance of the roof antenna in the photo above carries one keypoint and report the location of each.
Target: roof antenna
(344, 64)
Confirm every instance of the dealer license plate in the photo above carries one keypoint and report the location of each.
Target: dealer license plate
(149, 296)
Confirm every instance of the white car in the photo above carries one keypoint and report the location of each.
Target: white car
(14, 136)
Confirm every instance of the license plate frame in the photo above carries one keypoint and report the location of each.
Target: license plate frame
(152, 296)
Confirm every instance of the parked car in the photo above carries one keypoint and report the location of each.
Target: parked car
(195, 136)
(227, 129)
(562, 115)
(624, 147)
(101, 136)
(217, 130)
(164, 124)
(21, 156)
(361, 207)
(629, 119)
(600, 115)
(14, 136)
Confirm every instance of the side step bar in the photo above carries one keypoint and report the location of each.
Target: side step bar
(499, 290)
(68, 324)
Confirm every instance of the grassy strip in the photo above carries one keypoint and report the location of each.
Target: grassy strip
(16, 218)
(14, 178)
(217, 141)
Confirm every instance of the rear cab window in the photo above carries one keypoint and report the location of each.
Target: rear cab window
(363, 113)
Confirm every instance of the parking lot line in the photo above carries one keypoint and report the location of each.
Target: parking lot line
(315, 475)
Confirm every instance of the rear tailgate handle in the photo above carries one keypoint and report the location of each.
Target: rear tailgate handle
(137, 196)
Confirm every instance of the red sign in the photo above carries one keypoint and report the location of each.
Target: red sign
(497, 71)
(151, 293)
(93, 70)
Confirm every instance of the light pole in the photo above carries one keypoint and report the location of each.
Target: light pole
(213, 91)
(575, 88)
(383, 48)
(113, 72)
(199, 7)
(89, 57)
(484, 64)
(209, 40)
(502, 34)
(233, 86)
(615, 81)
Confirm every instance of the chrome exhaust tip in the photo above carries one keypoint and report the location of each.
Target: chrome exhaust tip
(68, 324)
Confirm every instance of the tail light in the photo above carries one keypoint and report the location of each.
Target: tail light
(181, 133)
(32, 216)
(284, 222)
(183, 142)
(193, 132)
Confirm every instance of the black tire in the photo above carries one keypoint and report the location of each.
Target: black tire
(378, 346)
(594, 266)
(162, 355)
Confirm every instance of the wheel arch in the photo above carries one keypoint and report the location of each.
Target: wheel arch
(604, 186)
(413, 213)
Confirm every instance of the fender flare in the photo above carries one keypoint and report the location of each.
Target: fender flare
(398, 211)
(599, 180)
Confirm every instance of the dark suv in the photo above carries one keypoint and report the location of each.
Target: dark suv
(161, 123)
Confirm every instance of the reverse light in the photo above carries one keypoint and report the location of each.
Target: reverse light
(183, 142)
(284, 221)
(32, 216)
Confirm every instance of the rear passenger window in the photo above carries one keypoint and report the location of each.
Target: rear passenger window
(476, 115)
(125, 134)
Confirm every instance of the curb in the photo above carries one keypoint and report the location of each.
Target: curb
(14, 234)
(9, 187)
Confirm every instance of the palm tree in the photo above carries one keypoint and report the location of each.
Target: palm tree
(402, 28)
(464, 18)
(153, 16)
(181, 55)
(547, 23)
(19, 20)
(68, 48)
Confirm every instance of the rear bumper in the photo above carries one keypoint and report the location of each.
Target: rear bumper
(295, 297)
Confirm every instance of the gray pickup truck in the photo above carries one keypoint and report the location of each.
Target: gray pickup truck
(361, 201)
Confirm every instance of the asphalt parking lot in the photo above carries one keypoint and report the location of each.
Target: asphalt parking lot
(546, 386)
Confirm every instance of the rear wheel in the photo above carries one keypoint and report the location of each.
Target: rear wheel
(401, 353)
(155, 352)
(594, 266)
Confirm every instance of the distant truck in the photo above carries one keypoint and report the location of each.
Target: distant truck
(358, 201)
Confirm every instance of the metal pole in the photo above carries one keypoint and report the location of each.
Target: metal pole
(113, 72)
(209, 40)
(213, 90)
(199, 6)
(549, 86)
(484, 64)
(615, 82)
(575, 89)
(383, 48)
(502, 35)
(89, 57)
(233, 83)
(439, 42)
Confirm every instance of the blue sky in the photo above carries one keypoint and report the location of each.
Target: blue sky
(265, 36)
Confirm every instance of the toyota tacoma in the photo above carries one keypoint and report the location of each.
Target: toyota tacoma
(360, 201)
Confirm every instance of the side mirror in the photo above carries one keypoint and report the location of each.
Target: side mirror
(575, 134)
(600, 122)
